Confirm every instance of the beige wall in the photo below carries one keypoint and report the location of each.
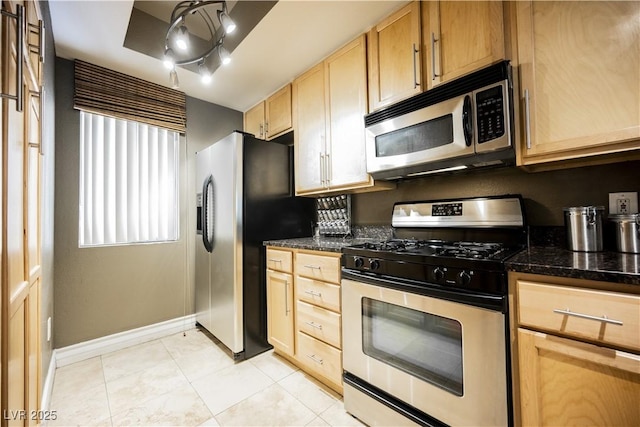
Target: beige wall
(101, 291)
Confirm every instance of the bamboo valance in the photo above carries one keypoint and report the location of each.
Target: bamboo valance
(103, 91)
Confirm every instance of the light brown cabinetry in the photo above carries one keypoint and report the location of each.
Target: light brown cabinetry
(460, 37)
(304, 316)
(271, 117)
(254, 120)
(280, 300)
(20, 231)
(577, 352)
(330, 101)
(309, 130)
(579, 66)
(318, 315)
(395, 66)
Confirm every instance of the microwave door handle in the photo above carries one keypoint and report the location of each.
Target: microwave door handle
(467, 121)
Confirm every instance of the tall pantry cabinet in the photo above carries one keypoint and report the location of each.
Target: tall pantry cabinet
(21, 61)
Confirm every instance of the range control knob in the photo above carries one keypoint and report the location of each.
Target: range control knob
(438, 274)
(464, 278)
(374, 264)
(358, 262)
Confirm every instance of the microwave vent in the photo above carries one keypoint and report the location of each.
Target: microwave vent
(469, 83)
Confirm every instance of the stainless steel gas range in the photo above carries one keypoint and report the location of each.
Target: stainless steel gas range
(425, 315)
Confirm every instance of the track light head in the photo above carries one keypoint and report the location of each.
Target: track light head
(177, 44)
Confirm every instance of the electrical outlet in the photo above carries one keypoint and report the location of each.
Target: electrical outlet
(623, 206)
(623, 203)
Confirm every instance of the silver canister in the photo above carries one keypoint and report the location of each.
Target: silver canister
(627, 230)
(584, 228)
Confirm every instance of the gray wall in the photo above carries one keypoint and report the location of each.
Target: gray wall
(105, 290)
(544, 193)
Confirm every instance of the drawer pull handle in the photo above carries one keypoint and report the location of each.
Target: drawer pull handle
(315, 359)
(275, 260)
(602, 319)
(313, 293)
(314, 325)
(313, 267)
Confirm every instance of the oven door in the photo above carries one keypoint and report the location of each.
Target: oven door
(443, 358)
(437, 132)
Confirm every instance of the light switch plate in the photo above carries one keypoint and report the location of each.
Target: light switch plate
(623, 203)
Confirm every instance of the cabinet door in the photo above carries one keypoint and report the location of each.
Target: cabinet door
(278, 112)
(346, 81)
(309, 135)
(565, 382)
(394, 57)
(461, 36)
(280, 311)
(254, 121)
(579, 75)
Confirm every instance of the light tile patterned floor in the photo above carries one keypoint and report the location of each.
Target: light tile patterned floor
(190, 381)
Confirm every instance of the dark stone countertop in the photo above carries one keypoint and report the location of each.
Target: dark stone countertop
(322, 243)
(601, 266)
(549, 260)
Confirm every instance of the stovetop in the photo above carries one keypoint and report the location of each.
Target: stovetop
(461, 244)
(440, 248)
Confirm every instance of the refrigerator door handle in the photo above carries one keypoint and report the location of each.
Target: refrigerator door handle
(207, 233)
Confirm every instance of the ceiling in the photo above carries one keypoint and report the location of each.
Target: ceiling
(293, 36)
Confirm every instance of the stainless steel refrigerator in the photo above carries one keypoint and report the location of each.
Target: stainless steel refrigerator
(245, 195)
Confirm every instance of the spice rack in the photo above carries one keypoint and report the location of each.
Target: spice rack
(334, 215)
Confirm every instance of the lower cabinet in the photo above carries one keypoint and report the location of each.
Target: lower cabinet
(567, 382)
(576, 352)
(304, 311)
(280, 311)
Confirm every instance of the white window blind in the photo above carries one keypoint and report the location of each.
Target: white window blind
(128, 182)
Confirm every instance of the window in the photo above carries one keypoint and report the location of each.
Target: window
(128, 182)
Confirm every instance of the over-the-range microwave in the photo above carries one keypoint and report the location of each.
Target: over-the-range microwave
(466, 123)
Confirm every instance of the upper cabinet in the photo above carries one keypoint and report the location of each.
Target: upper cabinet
(277, 112)
(309, 130)
(395, 70)
(272, 117)
(254, 121)
(579, 68)
(330, 101)
(346, 105)
(460, 37)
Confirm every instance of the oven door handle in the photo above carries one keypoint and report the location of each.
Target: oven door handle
(476, 299)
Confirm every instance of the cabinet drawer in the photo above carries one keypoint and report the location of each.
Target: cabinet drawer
(281, 260)
(607, 317)
(320, 267)
(324, 294)
(319, 323)
(320, 357)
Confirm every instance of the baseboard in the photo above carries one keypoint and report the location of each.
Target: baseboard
(47, 387)
(99, 346)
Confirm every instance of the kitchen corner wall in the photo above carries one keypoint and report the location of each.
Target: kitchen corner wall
(106, 290)
(544, 193)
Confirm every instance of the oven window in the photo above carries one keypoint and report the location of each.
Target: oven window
(423, 136)
(422, 344)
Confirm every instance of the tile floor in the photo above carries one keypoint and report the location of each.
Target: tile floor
(191, 381)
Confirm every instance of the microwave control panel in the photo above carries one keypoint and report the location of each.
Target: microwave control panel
(490, 114)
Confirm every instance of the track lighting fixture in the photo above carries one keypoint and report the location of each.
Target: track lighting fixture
(177, 49)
